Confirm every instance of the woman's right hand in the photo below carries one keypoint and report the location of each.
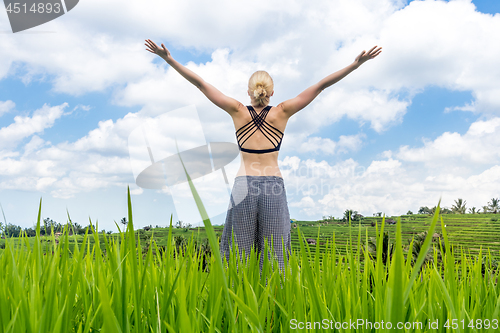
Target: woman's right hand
(364, 56)
(162, 52)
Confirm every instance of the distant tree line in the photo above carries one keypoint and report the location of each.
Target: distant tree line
(49, 226)
(460, 207)
(46, 228)
(352, 215)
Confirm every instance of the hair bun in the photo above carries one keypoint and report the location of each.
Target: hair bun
(260, 87)
(260, 92)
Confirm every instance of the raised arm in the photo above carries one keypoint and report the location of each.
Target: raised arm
(228, 104)
(294, 105)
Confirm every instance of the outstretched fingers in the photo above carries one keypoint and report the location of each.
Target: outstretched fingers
(152, 47)
(376, 54)
(373, 48)
(375, 51)
(150, 42)
(149, 47)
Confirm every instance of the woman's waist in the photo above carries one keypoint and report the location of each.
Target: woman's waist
(260, 160)
(258, 178)
(259, 170)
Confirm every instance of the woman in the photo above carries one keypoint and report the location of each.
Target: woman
(258, 209)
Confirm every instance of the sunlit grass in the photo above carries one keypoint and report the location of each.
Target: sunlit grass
(115, 288)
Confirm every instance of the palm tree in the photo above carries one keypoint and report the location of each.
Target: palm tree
(494, 205)
(418, 242)
(459, 206)
(424, 210)
(473, 210)
(387, 248)
(348, 215)
(442, 210)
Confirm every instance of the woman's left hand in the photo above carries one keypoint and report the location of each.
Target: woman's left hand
(364, 56)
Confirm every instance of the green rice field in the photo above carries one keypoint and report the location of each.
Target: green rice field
(470, 232)
(146, 282)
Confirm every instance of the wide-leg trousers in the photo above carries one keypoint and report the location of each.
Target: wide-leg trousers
(258, 211)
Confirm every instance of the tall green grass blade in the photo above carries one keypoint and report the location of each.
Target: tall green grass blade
(4, 219)
(212, 239)
(423, 252)
(395, 302)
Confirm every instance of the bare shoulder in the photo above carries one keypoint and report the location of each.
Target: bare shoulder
(237, 110)
(280, 111)
(278, 117)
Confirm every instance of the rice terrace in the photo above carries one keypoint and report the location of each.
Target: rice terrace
(423, 273)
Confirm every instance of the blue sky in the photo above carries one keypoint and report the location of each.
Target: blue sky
(417, 124)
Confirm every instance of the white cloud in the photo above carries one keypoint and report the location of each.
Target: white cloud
(391, 186)
(438, 43)
(137, 191)
(305, 202)
(34, 144)
(163, 89)
(6, 107)
(427, 42)
(467, 107)
(480, 145)
(327, 146)
(26, 126)
(315, 144)
(67, 187)
(376, 107)
(98, 160)
(320, 188)
(389, 167)
(81, 58)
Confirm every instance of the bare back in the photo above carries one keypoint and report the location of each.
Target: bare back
(259, 164)
(264, 164)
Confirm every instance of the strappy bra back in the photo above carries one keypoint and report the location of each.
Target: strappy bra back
(259, 122)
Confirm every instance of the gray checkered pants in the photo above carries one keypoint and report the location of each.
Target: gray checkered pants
(258, 210)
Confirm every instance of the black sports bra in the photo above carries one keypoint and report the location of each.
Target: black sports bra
(259, 121)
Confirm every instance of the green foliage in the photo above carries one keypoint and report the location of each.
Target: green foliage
(181, 225)
(431, 211)
(416, 246)
(11, 230)
(387, 248)
(424, 210)
(2, 224)
(104, 283)
(113, 286)
(473, 210)
(494, 205)
(352, 216)
(459, 206)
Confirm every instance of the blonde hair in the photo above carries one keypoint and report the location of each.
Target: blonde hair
(261, 86)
